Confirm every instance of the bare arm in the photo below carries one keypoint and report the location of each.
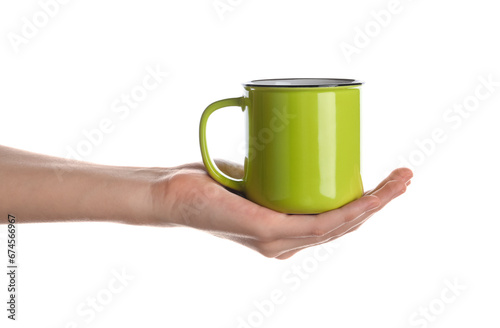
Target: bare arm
(39, 188)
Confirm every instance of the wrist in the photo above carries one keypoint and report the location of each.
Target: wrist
(121, 194)
(101, 193)
(40, 188)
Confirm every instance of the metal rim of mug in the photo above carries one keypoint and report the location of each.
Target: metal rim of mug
(302, 83)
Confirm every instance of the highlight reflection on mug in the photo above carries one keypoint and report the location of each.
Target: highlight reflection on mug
(266, 135)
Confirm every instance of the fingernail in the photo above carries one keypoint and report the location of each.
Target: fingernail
(408, 183)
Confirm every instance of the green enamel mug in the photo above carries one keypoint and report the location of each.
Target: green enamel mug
(303, 144)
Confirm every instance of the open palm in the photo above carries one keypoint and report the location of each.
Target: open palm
(190, 197)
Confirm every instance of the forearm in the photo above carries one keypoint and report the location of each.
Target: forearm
(39, 188)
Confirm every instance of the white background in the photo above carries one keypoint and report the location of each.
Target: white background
(429, 56)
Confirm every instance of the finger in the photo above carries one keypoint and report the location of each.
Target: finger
(402, 173)
(337, 218)
(237, 215)
(289, 253)
(232, 214)
(304, 226)
(386, 194)
(280, 247)
(285, 248)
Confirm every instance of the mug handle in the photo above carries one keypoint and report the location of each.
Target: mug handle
(213, 170)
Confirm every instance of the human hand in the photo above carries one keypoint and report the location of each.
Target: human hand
(188, 196)
(61, 190)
